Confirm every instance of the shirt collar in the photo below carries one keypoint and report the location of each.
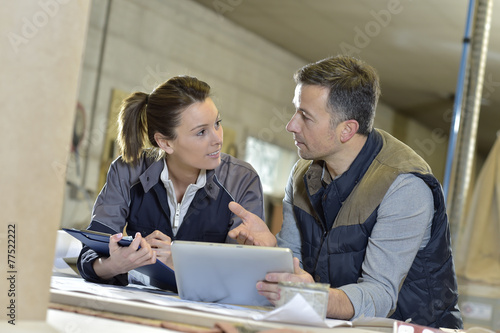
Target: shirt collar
(351, 177)
(326, 178)
(200, 181)
(318, 175)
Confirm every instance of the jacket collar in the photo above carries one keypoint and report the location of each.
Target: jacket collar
(318, 177)
(151, 176)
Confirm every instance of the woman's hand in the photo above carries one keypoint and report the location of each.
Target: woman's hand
(124, 258)
(160, 244)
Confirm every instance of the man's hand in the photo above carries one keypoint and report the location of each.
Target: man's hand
(253, 231)
(269, 287)
(160, 244)
(339, 305)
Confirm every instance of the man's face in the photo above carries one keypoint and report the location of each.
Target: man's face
(311, 124)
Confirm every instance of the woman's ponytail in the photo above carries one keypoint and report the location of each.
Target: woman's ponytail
(132, 127)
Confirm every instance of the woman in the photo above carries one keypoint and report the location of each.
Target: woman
(179, 188)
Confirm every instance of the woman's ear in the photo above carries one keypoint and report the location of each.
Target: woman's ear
(350, 127)
(163, 143)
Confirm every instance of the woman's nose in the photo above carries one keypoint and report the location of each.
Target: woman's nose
(218, 136)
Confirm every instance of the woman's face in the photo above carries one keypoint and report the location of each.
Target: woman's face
(199, 138)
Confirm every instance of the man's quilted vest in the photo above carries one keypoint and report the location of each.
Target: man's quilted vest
(335, 231)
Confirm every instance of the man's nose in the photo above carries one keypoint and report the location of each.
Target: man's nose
(292, 125)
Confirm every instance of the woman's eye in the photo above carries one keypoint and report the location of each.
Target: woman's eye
(200, 133)
(217, 124)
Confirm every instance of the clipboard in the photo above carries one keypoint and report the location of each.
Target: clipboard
(160, 275)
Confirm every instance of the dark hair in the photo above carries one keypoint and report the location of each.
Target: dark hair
(353, 88)
(142, 115)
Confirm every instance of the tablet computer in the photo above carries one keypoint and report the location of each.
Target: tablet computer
(158, 274)
(226, 273)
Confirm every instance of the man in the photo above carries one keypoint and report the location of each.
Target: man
(362, 211)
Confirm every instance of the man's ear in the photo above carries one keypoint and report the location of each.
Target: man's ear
(349, 128)
(163, 143)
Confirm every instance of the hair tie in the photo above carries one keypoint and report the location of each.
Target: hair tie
(147, 98)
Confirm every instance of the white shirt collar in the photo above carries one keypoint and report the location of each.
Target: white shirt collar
(178, 210)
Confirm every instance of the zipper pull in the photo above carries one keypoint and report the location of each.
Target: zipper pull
(176, 218)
